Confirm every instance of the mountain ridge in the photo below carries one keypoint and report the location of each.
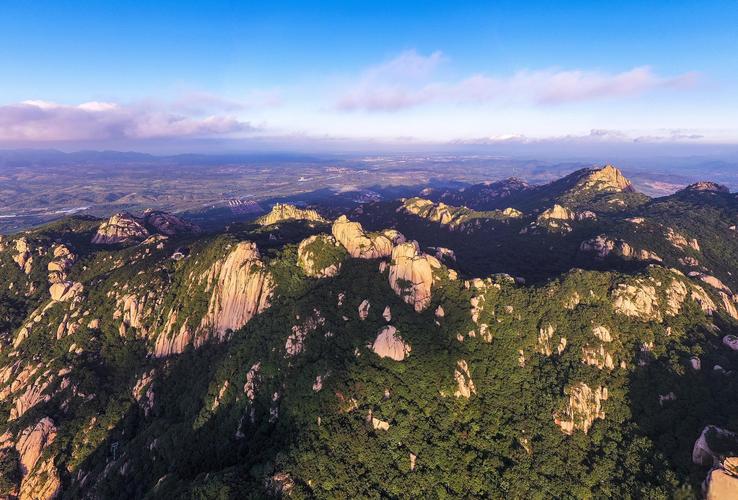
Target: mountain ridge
(441, 357)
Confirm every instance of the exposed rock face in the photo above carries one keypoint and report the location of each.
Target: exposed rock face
(602, 246)
(545, 334)
(295, 343)
(252, 377)
(282, 212)
(241, 288)
(389, 344)
(602, 333)
(729, 304)
(40, 481)
(33, 395)
(60, 264)
(712, 438)
(637, 300)
(512, 212)
(722, 481)
(310, 260)
(444, 254)
(731, 341)
(120, 228)
(23, 256)
(172, 342)
(441, 213)
(598, 356)
(358, 243)
(280, 485)
(168, 224)
(375, 423)
(680, 241)
(364, 309)
(65, 291)
(133, 310)
(607, 178)
(395, 236)
(699, 295)
(557, 212)
(707, 186)
(143, 392)
(582, 409)
(43, 484)
(387, 314)
(675, 295)
(411, 275)
(464, 383)
(712, 281)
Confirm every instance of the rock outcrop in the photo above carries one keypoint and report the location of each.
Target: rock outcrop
(607, 178)
(120, 228)
(713, 445)
(358, 243)
(722, 481)
(364, 309)
(637, 300)
(62, 261)
(65, 291)
(168, 224)
(707, 186)
(389, 344)
(23, 256)
(283, 212)
(464, 383)
(319, 256)
(583, 407)
(602, 246)
(40, 480)
(241, 287)
(411, 275)
(557, 212)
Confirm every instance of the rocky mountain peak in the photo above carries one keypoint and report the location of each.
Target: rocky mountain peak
(168, 224)
(607, 178)
(283, 211)
(120, 228)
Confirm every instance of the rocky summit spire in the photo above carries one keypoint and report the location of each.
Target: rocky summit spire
(607, 178)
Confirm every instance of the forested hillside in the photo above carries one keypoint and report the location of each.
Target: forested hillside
(572, 340)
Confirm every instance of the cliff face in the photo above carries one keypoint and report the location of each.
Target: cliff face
(241, 288)
(583, 407)
(40, 480)
(411, 274)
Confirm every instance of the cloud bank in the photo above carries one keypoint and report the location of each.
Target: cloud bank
(405, 82)
(32, 121)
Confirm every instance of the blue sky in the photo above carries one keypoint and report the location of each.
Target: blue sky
(128, 74)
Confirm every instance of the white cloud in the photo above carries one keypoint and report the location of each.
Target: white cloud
(31, 121)
(405, 82)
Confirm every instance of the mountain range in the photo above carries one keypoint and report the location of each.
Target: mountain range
(575, 339)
